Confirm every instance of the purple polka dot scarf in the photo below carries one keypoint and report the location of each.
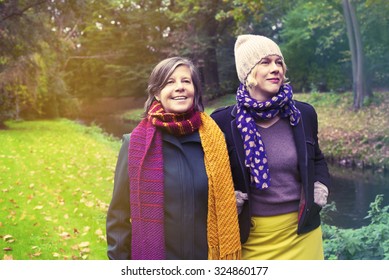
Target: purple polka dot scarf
(249, 111)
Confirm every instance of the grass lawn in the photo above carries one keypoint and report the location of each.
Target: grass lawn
(56, 181)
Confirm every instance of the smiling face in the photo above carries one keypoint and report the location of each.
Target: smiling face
(269, 76)
(177, 96)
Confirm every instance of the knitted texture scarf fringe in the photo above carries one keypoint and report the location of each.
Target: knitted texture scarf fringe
(145, 166)
(222, 225)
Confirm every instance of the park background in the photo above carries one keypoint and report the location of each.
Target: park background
(73, 75)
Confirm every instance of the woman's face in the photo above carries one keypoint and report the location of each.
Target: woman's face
(269, 77)
(178, 94)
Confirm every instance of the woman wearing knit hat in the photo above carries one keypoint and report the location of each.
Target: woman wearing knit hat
(173, 194)
(280, 174)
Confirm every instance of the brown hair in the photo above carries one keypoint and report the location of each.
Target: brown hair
(161, 73)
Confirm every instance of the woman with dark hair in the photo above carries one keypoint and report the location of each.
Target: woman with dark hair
(173, 194)
(280, 175)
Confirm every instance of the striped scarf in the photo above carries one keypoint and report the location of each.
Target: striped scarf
(249, 111)
(145, 166)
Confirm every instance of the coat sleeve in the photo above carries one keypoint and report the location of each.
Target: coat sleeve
(321, 169)
(118, 225)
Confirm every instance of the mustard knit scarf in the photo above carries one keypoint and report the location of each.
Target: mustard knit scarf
(222, 225)
(222, 220)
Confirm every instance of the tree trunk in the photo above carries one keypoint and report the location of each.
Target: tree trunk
(350, 36)
(357, 55)
(210, 70)
(211, 74)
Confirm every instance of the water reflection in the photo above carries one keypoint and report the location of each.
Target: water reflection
(353, 191)
(111, 124)
(107, 113)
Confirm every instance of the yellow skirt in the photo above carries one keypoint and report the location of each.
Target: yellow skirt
(275, 238)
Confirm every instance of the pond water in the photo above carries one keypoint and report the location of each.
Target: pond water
(106, 112)
(111, 124)
(352, 189)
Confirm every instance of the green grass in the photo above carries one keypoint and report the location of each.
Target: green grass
(56, 181)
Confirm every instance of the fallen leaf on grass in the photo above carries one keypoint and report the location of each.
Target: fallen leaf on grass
(100, 234)
(85, 250)
(8, 238)
(37, 254)
(65, 235)
(8, 258)
(84, 244)
(89, 204)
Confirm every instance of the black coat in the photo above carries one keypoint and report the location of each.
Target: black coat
(185, 196)
(312, 165)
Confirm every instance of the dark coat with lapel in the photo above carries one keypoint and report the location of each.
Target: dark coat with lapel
(312, 165)
(185, 195)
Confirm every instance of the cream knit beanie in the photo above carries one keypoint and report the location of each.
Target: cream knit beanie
(249, 50)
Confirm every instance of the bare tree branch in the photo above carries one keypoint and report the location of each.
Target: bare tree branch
(20, 12)
(98, 56)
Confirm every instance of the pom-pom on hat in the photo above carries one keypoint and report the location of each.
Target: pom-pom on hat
(249, 50)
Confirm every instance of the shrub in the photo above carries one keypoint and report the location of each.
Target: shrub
(366, 243)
